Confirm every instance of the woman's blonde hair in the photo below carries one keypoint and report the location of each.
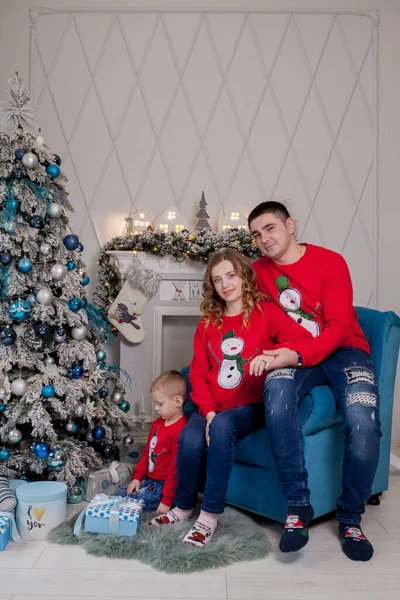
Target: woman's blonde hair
(212, 306)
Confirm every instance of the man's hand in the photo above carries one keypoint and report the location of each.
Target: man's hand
(283, 357)
(133, 487)
(162, 509)
(209, 418)
(259, 364)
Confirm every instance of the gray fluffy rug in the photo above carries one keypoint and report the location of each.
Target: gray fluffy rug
(237, 538)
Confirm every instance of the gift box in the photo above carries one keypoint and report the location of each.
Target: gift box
(42, 505)
(106, 480)
(5, 531)
(112, 515)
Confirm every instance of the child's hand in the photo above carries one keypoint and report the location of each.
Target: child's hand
(133, 487)
(162, 509)
(209, 418)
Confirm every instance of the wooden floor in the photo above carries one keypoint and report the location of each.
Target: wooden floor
(319, 572)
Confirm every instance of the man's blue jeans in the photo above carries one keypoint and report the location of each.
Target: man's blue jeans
(351, 375)
(196, 462)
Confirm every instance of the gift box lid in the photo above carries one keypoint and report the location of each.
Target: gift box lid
(41, 491)
(4, 524)
(129, 509)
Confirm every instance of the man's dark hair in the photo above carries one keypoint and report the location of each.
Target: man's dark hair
(277, 208)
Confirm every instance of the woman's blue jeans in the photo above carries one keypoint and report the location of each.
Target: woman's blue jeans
(350, 374)
(196, 462)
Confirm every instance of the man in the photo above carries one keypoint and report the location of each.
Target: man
(313, 286)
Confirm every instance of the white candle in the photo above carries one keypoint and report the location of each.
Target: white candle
(143, 407)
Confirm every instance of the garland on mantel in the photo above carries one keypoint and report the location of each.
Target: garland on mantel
(197, 246)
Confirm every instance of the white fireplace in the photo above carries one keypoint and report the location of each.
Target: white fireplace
(169, 319)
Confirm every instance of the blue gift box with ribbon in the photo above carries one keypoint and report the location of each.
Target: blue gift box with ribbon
(8, 530)
(111, 514)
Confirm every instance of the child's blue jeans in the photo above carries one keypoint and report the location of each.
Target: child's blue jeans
(150, 492)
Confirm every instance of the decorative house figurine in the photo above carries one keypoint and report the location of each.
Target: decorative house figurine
(171, 220)
(202, 215)
(233, 220)
(138, 223)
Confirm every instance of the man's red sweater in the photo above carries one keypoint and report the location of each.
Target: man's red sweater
(316, 291)
(158, 459)
(219, 371)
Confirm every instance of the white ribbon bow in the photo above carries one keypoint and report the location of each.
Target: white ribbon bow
(12, 117)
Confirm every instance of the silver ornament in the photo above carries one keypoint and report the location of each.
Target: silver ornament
(71, 427)
(44, 296)
(30, 160)
(14, 436)
(55, 210)
(80, 411)
(3, 393)
(128, 440)
(48, 360)
(79, 333)
(117, 397)
(45, 249)
(19, 386)
(31, 299)
(39, 141)
(58, 272)
(9, 226)
(60, 338)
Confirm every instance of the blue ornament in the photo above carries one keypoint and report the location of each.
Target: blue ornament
(3, 407)
(19, 154)
(18, 174)
(12, 203)
(103, 393)
(85, 280)
(125, 406)
(115, 438)
(101, 355)
(98, 433)
(75, 304)
(71, 265)
(107, 451)
(25, 265)
(71, 242)
(78, 371)
(42, 449)
(57, 459)
(42, 329)
(81, 247)
(20, 310)
(48, 391)
(4, 454)
(7, 336)
(36, 222)
(24, 477)
(57, 159)
(70, 374)
(5, 258)
(76, 495)
(53, 171)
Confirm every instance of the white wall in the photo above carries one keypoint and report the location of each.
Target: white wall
(15, 53)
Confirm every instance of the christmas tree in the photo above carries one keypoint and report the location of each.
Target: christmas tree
(61, 404)
(202, 214)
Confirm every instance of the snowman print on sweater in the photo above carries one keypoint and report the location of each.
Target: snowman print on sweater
(152, 455)
(231, 370)
(291, 301)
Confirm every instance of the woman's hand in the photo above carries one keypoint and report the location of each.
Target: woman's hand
(209, 418)
(261, 363)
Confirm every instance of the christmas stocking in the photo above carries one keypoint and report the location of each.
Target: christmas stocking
(125, 313)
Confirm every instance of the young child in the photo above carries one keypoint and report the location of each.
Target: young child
(154, 479)
(236, 327)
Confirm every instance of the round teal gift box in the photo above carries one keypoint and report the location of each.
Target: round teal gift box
(42, 505)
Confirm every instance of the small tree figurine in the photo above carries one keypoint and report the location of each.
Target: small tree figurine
(202, 214)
